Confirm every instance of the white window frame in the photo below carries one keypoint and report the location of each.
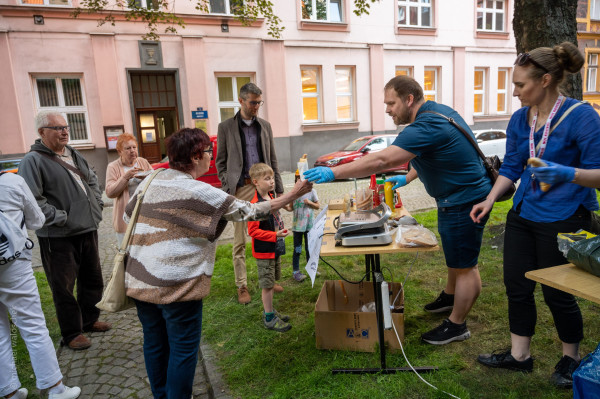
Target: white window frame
(235, 104)
(310, 95)
(419, 4)
(313, 15)
(436, 83)
(494, 11)
(595, 10)
(47, 3)
(345, 94)
(409, 70)
(227, 7)
(481, 92)
(62, 108)
(144, 4)
(591, 72)
(504, 90)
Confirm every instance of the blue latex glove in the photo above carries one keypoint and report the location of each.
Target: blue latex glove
(320, 174)
(554, 173)
(398, 181)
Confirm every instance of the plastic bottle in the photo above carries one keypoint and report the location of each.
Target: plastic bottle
(397, 199)
(389, 194)
(381, 190)
(297, 175)
(302, 166)
(374, 188)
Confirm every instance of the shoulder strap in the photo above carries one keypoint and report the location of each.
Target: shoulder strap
(65, 165)
(562, 117)
(136, 211)
(463, 131)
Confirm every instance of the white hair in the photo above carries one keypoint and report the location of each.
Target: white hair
(42, 118)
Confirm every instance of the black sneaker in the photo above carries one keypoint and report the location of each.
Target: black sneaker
(443, 303)
(446, 333)
(505, 360)
(563, 376)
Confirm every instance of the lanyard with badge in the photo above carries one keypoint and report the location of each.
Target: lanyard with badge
(545, 134)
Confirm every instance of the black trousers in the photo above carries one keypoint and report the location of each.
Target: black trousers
(68, 260)
(531, 246)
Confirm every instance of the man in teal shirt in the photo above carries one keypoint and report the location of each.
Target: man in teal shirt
(452, 172)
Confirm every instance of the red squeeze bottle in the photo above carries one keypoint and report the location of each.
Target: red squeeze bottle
(375, 188)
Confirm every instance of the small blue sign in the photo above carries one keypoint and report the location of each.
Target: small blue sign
(364, 334)
(349, 333)
(200, 114)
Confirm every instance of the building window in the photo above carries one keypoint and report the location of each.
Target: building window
(415, 13)
(228, 90)
(490, 15)
(595, 10)
(149, 4)
(344, 93)
(430, 84)
(592, 71)
(47, 2)
(479, 92)
(404, 71)
(322, 10)
(502, 107)
(64, 95)
(311, 94)
(224, 6)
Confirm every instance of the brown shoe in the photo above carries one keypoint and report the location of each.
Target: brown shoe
(80, 342)
(99, 326)
(244, 295)
(277, 288)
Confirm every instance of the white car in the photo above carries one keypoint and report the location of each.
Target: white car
(492, 142)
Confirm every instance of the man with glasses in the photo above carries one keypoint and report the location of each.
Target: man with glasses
(67, 191)
(243, 141)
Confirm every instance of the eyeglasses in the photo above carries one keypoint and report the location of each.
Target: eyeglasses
(255, 103)
(58, 128)
(525, 58)
(210, 152)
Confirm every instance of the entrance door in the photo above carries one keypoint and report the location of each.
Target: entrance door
(154, 126)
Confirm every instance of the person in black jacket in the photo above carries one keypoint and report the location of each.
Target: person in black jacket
(67, 191)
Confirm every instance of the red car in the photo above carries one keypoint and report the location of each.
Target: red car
(209, 177)
(358, 149)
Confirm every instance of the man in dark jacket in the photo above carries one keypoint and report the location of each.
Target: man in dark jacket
(66, 189)
(243, 141)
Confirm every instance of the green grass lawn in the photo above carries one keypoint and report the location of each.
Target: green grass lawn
(258, 363)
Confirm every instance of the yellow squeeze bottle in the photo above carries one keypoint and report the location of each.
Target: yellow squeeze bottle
(389, 195)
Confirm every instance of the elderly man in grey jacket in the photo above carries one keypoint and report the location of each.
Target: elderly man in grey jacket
(67, 191)
(243, 141)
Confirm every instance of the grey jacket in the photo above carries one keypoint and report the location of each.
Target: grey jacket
(230, 157)
(68, 210)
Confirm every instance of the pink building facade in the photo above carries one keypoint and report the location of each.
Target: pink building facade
(322, 81)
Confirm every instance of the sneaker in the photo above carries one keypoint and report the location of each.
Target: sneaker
(68, 393)
(276, 324)
(443, 303)
(282, 317)
(563, 374)
(243, 295)
(299, 277)
(446, 333)
(20, 394)
(505, 360)
(277, 288)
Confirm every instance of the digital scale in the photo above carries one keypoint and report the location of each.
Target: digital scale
(363, 228)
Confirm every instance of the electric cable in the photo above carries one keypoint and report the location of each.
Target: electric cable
(413, 369)
(405, 279)
(342, 277)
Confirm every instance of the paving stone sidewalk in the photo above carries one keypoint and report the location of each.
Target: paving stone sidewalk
(114, 366)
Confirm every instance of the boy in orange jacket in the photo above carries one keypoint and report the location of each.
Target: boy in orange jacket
(264, 235)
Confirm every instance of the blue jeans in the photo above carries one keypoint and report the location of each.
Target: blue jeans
(171, 342)
(298, 235)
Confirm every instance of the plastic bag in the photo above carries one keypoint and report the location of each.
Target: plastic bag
(565, 240)
(367, 307)
(415, 236)
(586, 378)
(585, 254)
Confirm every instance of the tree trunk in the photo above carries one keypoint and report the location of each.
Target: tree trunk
(546, 23)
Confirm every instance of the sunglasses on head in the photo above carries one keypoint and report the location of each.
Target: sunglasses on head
(525, 58)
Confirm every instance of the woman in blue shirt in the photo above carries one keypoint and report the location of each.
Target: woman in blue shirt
(537, 216)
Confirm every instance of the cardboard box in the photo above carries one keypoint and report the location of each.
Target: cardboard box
(339, 324)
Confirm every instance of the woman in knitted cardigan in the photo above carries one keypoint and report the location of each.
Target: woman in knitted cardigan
(172, 256)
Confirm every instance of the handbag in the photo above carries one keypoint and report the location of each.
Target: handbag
(114, 298)
(492, 164)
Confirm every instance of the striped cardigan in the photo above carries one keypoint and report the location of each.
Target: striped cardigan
(172, 252)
